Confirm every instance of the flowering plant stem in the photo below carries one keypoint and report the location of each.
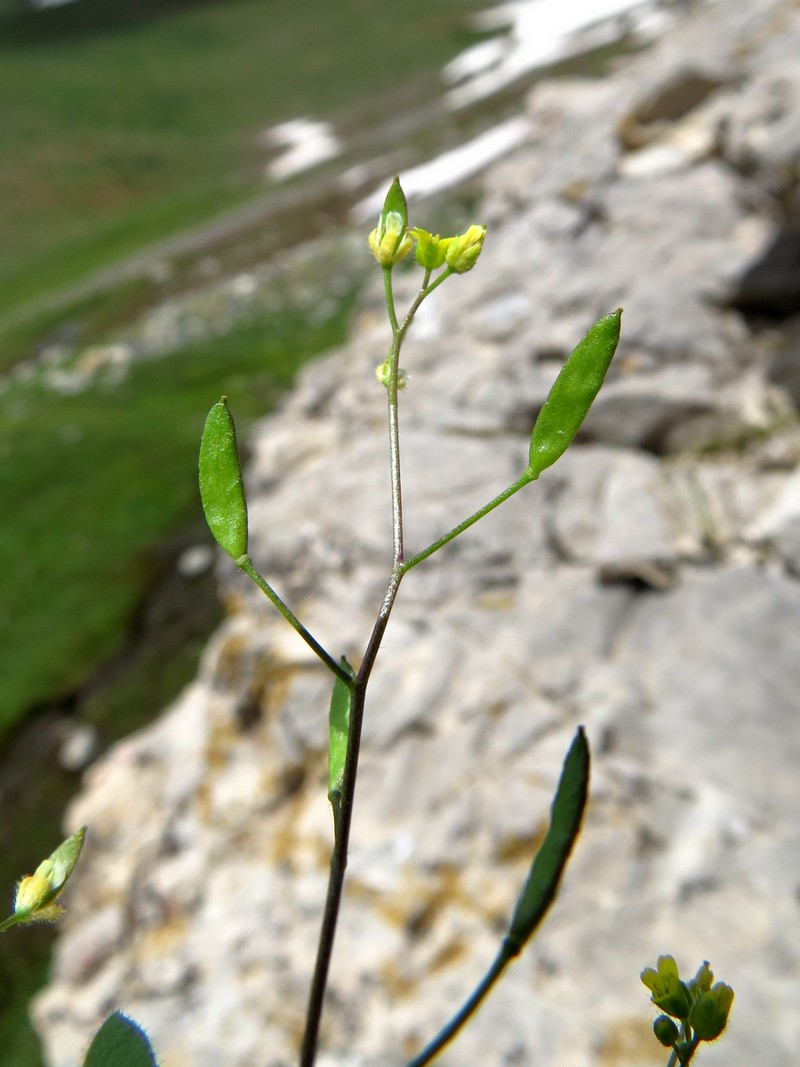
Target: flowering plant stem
(358, 686)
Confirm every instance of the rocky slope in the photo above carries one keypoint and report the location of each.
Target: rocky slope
(646, 587)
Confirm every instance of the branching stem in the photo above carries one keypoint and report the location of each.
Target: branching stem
(245, 564)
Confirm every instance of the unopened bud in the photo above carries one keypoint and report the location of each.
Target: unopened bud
(37, 892)
(383, 373)
(390, 240)
(463, 251)
(431, 248)
(666, 1031)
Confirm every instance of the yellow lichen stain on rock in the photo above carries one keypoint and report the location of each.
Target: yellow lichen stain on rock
(516, 847)
(629, 1042)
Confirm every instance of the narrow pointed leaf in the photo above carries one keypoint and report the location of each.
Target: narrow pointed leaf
(573, 393)
(221, 489)
(120, 1042)
(339, 731)
(549, 863)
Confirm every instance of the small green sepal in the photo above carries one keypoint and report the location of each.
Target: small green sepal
(120, 1042)
(709, 1015)
(221, 488)
(573, 393)
(551, 859)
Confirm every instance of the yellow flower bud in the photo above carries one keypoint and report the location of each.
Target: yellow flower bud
(382, 374)
(431, 249)
(463, 251)
(36, 892)
(390, 240)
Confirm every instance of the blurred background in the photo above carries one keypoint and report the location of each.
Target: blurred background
(167, 171)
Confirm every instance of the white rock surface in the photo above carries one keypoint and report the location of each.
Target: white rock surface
(647, 587)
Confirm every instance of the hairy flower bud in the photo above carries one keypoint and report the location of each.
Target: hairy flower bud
(463, 251)
(431, 248)
(36, 893)
(666, 1031)
(390, 241)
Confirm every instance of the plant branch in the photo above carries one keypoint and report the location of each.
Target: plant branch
(245, 563)
(468, 1009)
(526, 478)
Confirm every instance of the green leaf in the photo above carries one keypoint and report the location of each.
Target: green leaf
(221, 488)
(338, 732)
(549, 863)
(120, 1042)
(573, 393)
(396, 202)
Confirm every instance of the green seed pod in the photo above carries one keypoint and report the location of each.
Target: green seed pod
(573, 393)
(551, 859)
(221, 489)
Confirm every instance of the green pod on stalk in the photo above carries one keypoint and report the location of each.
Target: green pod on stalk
(551, 859)
(573, 393)
(221, 488)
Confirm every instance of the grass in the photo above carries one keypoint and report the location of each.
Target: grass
(90, 483)
(124, 121)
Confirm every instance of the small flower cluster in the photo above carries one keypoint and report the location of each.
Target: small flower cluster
(392, 240)
(701, 1008)
(36, 893)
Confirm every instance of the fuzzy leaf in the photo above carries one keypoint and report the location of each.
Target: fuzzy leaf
(120, 1042)
(549, 863)
(221, 488)
(573, 393)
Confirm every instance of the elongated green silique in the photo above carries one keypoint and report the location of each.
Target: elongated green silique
(120, 1042)
(573, 393)
(551, 859)
(539, 890)
(220, 475)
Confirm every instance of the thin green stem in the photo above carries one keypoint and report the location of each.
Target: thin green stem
(526, 479)
(358, 686)
(344, 822)
(245, 563)
(468, 1009)
(12, 920)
